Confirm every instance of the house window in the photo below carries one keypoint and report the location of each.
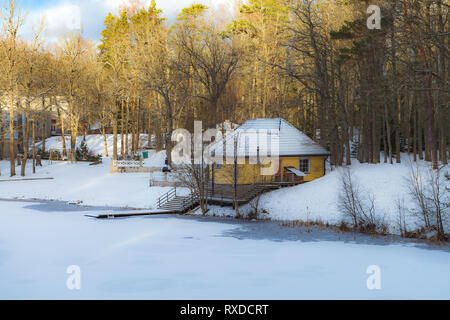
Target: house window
(218, 166)
(304, 165)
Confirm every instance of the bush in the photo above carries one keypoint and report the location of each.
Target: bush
(358, 206)
(83, 153)
(44, 155)
(429, 190)
(94, 158)
(54, 155)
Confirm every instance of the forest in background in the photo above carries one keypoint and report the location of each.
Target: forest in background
(313, 63)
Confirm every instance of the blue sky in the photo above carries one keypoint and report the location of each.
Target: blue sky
(63, 15)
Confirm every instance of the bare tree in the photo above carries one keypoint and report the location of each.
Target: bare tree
(417, 189)
(195, 176)
(32, 88)
(401, 216)
(12, 20)
(349, 197)
(212, 60)
(154, 60)
(76, 56)
(439, 197)
(359, 205)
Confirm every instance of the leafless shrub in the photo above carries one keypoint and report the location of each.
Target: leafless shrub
(429, 190)
(439, 197)
(195, 177)
(255, 207)
(416, 187)
(401, 216)
(358, 206)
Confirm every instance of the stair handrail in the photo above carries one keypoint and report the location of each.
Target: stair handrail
(165, 198)
(190, 200)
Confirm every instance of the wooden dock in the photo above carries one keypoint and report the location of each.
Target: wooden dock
(26, 179)
(130, 214)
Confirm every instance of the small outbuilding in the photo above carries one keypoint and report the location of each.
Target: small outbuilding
(299, 158)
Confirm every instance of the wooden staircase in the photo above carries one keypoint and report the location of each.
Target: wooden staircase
(220, 194)
(177, 204)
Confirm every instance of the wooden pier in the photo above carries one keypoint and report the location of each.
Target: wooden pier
(130, 214)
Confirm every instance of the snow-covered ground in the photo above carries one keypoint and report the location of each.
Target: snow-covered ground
(318, 199)
(86, 184)
(83, 183)
(168, 257)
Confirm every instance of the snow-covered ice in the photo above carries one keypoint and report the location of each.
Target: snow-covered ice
(168, 257)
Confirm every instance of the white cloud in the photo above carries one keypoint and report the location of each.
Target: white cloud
(63, 19)
(69, 15)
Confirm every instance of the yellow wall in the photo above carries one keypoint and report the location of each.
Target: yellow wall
(248, 174)
(317, 167)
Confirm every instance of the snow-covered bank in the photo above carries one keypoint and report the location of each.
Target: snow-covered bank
(184, 258)
(83, 183)
(318, 200)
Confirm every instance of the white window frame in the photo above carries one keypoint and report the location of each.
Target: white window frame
(309, 165)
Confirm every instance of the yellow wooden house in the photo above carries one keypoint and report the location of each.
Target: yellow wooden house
(299, 158)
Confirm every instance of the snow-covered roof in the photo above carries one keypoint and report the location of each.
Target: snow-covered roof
(295, 171)
(291, 141)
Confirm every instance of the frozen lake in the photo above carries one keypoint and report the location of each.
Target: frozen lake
(172, 257)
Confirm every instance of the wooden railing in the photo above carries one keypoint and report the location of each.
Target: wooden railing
(167, 197)
(190, 201)
(127, 163)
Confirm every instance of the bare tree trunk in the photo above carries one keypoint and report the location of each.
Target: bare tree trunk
(149, 128)
(105, 141)
(19, 130)
(63, 135)
(26, 145)
(415, 134)
(114, 124)
(169, 139)
(122, 128)
(420, 133)
(397, 128)
(12, 152)
(73, 136)
(34, 146)
(376, 137)
(388, 132)
(127, 119)
(136, 139)
(2, 134)
(385, 146)
(44, 133)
